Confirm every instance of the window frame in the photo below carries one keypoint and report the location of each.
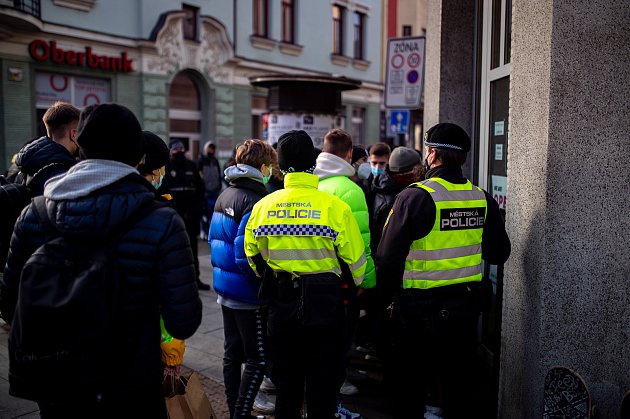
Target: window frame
(338, 29)
(190, 23)
(260, 17)
(288, 21)
(358, 44)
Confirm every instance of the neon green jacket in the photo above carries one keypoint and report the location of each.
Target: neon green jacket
(301, 230)
(333, 173)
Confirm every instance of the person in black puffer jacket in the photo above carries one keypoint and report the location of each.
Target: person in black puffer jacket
(155, 262)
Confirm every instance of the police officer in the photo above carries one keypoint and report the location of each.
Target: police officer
(432, 247)
(293, 239)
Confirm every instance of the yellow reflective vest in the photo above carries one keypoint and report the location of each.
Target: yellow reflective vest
(301, 230)
(451, 252)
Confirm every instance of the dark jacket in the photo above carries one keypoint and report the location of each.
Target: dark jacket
(232, 277)
(212, 174)
(383, 193)
(186, 187)
(154, 255)
(414, 217)
(46, 157)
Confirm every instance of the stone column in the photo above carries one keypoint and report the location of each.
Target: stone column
(567, 283)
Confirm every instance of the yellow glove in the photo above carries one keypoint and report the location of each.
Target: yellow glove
(173, 352)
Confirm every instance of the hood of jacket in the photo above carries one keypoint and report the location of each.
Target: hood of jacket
(384, 184)
(329, 165)
(95, 196)
(241, 171)
(40, 153)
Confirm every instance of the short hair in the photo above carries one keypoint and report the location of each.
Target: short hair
(450, 157)
(380, 149)
(255, 153)
(59, 117)
(337, 142)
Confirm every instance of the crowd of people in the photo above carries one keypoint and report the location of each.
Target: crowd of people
(302, 241)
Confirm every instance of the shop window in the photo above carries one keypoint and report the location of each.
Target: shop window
(288, 21)
(261, 18)
(359, 35)
(190, 22)
(337, 35)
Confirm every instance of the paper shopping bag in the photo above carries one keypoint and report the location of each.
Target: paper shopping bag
(196, 398)
(186, 399)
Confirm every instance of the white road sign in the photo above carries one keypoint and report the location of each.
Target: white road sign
(405, 72)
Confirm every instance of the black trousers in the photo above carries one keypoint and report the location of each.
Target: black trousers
(306, 335)
(245, 340)
(192, 229)
(434, 341)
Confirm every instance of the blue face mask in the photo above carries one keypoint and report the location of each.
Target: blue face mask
(268, 177)
(157, 184)
(376, 171)
(364, 170)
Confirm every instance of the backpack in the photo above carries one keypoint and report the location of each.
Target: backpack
(13, 198)
(63, 334)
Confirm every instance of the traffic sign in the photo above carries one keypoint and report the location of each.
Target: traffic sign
(404, 73)
(399, 122)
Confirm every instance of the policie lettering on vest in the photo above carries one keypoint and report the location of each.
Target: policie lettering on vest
(462, 218)
(294, 213)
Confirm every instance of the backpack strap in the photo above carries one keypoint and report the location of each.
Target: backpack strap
(39, 209)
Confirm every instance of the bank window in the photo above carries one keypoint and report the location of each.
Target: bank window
(288, 21)
(338, 17)
(359, 35)
(261, 18)
(190, 22)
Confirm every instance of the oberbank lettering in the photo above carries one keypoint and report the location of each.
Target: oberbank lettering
(41, 50)
(294, 210)
(462, 218)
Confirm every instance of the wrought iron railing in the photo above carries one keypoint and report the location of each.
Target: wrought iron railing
(32, 7)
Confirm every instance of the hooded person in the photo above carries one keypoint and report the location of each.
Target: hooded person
(212, 175)
(294, 240)
(98, 200)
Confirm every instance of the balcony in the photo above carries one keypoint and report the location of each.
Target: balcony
(19, 15)
(32, 7)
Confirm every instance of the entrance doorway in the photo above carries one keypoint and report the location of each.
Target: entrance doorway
(185, 110)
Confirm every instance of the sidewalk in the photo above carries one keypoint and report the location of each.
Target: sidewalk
(204, 354)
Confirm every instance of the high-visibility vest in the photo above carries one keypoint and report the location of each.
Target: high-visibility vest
(451, 252)
(302, 231)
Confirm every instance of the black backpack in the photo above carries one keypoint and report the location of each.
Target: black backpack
(67, 316)
(13, 198)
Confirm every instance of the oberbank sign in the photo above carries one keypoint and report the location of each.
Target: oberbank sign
(41, 51)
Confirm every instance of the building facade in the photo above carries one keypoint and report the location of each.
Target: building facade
(183, 68)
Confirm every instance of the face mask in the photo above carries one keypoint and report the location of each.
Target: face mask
(179, 156)
(157, 184)
(268, 177)
(427, 166)
(364, 170)
(376, 171)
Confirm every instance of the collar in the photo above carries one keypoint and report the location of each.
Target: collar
(452, 174)
(300, 180)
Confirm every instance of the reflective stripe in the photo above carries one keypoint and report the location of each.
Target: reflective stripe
(439, 254)
(295, 230)
(356, 265)
(298, 254)
(359, 279)
(443, 275)
(442, 194)
(335, 271)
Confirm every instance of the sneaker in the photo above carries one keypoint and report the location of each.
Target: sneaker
(433, 409)
(267, 386)
(354, 374)
(430, 415)
(343, 413)
(263, 405)
(202, 286)
(348, 389)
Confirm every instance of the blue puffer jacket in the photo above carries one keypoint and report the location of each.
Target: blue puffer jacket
(232, 277)
(154, 262)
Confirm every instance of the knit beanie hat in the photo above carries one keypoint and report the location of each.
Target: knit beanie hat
(403, 159)
(449, 136)
(358, 153)
(296, 152)
(111, 132)
(156, 153)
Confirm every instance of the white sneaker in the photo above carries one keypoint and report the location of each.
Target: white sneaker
(343, 413)
(267, 386)
(263, 405)
(432, 412)
(348, 389)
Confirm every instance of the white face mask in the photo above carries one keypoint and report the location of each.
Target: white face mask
(157, 184)
(364, 170)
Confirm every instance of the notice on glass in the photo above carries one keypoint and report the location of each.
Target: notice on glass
(498, 152)
(499, 190)
(499, 128)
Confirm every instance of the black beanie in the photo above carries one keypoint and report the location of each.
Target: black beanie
(448, 136)
(156, 153)
(358, 153)
(111, 132)
(296, 152)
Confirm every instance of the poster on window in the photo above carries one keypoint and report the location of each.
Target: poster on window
(316, 125)
(499, 190)
(80, 91)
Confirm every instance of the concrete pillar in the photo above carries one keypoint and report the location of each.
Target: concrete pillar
(567, 283)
